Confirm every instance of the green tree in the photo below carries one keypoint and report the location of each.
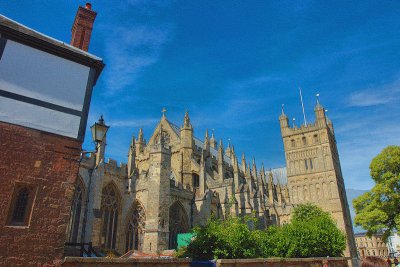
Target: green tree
(311, 233)
(379, 209)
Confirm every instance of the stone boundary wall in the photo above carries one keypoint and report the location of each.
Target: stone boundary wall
(104, 262)
(305, 262)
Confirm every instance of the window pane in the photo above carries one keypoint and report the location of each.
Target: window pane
(21, 205)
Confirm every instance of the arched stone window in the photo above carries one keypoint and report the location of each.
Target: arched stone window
(325, 190)
(306, 195)
(195, 180)
(318, 189)
(135, 227)
(110, 207)
(304, 140)
(293, 143)
(178, 223)
(315, 138)
(22, 201)
(76, 212)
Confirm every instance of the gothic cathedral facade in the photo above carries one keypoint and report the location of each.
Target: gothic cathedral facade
(176, 181)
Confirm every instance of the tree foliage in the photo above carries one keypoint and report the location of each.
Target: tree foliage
(311, 233)
(379, 209)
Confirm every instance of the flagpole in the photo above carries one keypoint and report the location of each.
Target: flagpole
(302, 106)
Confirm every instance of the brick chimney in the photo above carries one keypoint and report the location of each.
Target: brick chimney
(82, 27)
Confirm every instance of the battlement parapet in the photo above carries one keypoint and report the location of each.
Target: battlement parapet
(112, 167)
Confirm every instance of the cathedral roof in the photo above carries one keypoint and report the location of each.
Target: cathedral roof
(278, 175)
(200, 143)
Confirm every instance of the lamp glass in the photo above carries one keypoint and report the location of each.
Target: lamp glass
(98, 132)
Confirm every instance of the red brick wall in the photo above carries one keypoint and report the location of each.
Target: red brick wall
(49, 163)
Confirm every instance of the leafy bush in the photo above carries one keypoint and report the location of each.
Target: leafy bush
(312, 233)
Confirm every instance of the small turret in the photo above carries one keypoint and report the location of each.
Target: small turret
(213, 142)
(244, 167)
(270, 187)
(131, 157)
(221, 160)
(206, 142)
(283, 121)
(228, 151)
(187, 133)
(140, 142)
(254, 172)
(186, 121)
(279, 193)
(320, 114)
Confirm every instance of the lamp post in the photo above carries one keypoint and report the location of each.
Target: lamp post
(99, 130)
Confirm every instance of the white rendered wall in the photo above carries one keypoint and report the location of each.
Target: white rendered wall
(29, 72)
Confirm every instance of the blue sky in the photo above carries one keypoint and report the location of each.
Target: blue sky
(232, 64)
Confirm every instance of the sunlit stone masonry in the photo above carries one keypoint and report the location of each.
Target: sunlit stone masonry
(176, 181)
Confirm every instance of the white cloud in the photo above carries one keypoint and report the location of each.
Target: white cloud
(380, 95)
(133, 122)
(129, 51)
(360, 139)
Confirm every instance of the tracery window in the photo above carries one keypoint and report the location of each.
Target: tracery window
(76, 212)
(178, 223)
(135, 228)
(22, 201)
(165, 136)
(110, 208)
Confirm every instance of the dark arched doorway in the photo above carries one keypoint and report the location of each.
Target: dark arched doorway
(178, 223)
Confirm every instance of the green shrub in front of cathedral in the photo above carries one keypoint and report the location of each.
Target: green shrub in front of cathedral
(312, 233)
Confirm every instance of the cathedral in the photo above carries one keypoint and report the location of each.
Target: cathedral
(176, 181)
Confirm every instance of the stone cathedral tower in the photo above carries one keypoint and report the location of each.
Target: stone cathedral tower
(313, 170)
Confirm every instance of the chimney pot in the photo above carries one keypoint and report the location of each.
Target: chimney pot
(88, 6)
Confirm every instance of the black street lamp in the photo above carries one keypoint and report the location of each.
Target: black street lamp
(99, 130)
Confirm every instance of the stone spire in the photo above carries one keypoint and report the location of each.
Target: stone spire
(140, 143)
(213, 142)
(235, 184)
(243, 163)
(131, 156)
(283, 121)
(320, 114)
(221, 160)
(186, 121)
(140, 136)
(270, 187)
(228, 151)
(202, 176)
(206, 142)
